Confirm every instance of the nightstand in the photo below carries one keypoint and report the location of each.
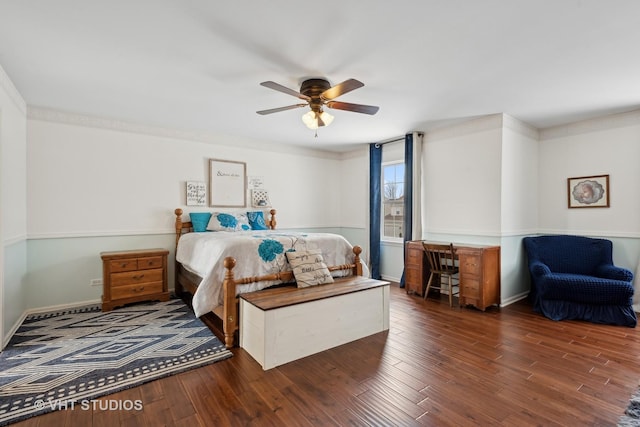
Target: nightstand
(134, 276)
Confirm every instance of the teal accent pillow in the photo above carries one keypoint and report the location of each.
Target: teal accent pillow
(256, 220)
(199, 221)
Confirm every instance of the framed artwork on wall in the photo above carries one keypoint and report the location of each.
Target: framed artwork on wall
(588, 191)
(260, 198)
(196, 193)
(227, 183)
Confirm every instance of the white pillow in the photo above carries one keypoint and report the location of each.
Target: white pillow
(222, 221)
(309, 268)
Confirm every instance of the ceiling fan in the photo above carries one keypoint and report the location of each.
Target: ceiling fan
(318, 93)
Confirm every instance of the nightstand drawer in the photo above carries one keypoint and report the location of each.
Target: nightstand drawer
(130, 264)
(149, 262)
(136, 290)
(135, 277)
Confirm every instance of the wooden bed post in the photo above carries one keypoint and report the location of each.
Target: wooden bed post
(272, 221)
(357, 250)
(230, 306)
(178, 224)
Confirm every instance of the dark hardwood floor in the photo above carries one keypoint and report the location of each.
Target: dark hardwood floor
(436, 366)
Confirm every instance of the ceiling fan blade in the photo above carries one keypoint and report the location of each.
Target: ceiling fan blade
(283, 89)
(277, 110)
(357, 108)
(341, 89)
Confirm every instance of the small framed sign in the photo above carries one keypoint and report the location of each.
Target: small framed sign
(196, 193)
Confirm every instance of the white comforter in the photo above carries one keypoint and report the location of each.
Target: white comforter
(257, 253)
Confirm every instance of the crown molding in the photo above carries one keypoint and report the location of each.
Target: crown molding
(479, 124)
(630, 118)
(520, 127)
(76, 119)
(12, 92)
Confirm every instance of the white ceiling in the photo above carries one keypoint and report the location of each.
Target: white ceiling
(196, 65)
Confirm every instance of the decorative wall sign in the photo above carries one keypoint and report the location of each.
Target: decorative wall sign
(256, 182)
(588, 191)
(260, 198)
(196, 193)
(227, 183)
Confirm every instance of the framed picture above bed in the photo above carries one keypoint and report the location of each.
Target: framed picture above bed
(227, 183)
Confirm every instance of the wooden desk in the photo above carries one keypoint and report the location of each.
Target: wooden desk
(479, 273)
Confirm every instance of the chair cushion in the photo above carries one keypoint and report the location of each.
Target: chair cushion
(584, 289)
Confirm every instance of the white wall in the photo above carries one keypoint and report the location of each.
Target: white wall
(462, 179)
(354, 198)
(13, 205)
(519, 204)
(519, 198)
(93, 181)
(95, 186)
(606, 145)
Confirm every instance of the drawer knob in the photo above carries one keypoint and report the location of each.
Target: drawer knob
(138, 277)
(140, 289)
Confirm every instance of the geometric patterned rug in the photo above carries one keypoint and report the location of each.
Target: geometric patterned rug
(64, 359)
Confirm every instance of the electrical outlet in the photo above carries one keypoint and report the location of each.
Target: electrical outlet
(96, 282)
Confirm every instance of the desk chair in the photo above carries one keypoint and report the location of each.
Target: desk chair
(442, 263)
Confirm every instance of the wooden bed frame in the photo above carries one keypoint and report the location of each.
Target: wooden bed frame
(224, 320)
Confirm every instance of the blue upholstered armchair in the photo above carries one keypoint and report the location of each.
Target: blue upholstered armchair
(573, 277)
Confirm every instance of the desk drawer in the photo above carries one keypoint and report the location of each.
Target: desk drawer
(413, 280)
(414, 256)
(470, 291)
(470, 264)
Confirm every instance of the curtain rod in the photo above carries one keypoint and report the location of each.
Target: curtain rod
(380, 144)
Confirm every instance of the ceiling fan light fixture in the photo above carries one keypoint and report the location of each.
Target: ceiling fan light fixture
(319, 93)
(310, 119)
(326, 118)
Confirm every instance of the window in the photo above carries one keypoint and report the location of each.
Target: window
(392, 200)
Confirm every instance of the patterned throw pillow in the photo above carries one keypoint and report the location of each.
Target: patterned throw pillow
(221, 221)
(256, 220)
(309, 268)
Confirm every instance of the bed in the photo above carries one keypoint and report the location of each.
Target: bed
(203, 276)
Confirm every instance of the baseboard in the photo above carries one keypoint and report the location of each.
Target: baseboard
(390, 279)
(513, 299)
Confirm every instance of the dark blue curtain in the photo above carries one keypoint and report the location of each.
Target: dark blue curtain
(375, 203)
(408, 194)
